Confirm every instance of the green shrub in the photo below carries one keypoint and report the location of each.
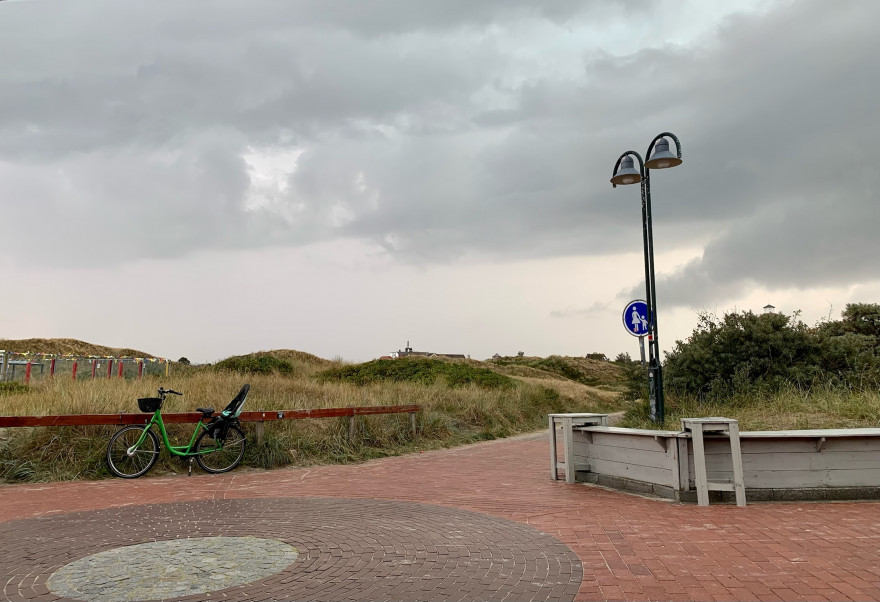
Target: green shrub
(12, 387)
(256, 364)
(745, 353)
(634, 379)
(622, 358)
(559, 365)
(418, 371)
(742, 351)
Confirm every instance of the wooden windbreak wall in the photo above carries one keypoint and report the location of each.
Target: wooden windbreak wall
(806, 459)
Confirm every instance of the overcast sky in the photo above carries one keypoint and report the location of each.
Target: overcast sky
(209, 178)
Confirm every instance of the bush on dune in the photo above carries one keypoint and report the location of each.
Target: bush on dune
(417, 371)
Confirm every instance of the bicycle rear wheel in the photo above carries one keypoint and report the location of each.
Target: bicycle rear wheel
(216, 456)
(129, 463)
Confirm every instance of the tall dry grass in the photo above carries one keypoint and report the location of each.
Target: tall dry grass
(793, 408)
(449, 416)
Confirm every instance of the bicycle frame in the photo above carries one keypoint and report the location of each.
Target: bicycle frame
(217, 443)
(177, 450)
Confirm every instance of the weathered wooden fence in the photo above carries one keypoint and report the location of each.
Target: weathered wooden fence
(260, 417)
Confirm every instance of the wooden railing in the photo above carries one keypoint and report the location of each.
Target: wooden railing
(260, 417)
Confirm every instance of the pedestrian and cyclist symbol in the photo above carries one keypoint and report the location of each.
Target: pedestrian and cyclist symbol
(635, 318)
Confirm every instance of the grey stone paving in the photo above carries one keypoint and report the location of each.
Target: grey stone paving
(170, 569)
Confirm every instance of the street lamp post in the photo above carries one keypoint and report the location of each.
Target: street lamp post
(626, 173)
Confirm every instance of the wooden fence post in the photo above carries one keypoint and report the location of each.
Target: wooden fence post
(75, 362)
(27, 373)
(121, 364)
(52, 368)
(4, 366)
(140, 369)
(412, 421)
(94, 368)
(109, 368)
(351, 429)
(260, 430)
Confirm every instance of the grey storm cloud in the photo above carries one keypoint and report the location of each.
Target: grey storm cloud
(430, 129)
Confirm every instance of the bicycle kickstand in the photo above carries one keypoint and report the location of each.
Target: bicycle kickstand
(190, 472)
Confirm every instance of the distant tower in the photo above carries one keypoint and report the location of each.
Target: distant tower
(408, 348)
(769, 309)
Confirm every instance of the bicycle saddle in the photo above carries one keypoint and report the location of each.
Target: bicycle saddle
(206, 412)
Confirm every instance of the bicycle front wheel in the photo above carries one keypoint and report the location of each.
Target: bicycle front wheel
(127, 461)
(217, 456)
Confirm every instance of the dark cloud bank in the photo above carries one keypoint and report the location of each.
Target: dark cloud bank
(124, 129)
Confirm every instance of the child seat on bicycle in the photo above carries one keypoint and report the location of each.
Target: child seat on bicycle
(219, 425)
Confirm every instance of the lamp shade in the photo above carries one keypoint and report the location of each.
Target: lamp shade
(627, 174)
(662, 157)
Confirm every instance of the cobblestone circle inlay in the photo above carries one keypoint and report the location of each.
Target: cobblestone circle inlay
(170, 569)
(349, 549)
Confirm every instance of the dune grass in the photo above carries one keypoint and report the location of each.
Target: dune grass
(417, 370)
(461, 402)
(792, 408)
(583, 370)
(452, 414)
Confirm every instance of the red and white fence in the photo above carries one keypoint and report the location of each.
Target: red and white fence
(23, 367)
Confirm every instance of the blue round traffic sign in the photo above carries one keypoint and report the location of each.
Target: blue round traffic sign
(635, 318)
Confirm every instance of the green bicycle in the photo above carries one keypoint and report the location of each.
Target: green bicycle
(217, 444)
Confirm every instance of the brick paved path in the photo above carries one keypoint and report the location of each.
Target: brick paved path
(348, 549)
(629, 547)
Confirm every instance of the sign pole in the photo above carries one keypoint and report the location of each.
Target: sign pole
(637, 320)
(642, 349)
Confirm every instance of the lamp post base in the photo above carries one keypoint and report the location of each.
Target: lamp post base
(655, 411)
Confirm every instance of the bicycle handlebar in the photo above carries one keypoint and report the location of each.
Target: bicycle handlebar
(163, 392)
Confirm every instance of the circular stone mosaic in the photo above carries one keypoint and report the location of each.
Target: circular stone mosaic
(170, 569)
(347, 549)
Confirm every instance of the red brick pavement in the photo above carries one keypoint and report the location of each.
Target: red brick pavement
(349, 549)
(632, 548)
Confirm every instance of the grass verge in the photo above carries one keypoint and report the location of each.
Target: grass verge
(792, 408)
(453, 413)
